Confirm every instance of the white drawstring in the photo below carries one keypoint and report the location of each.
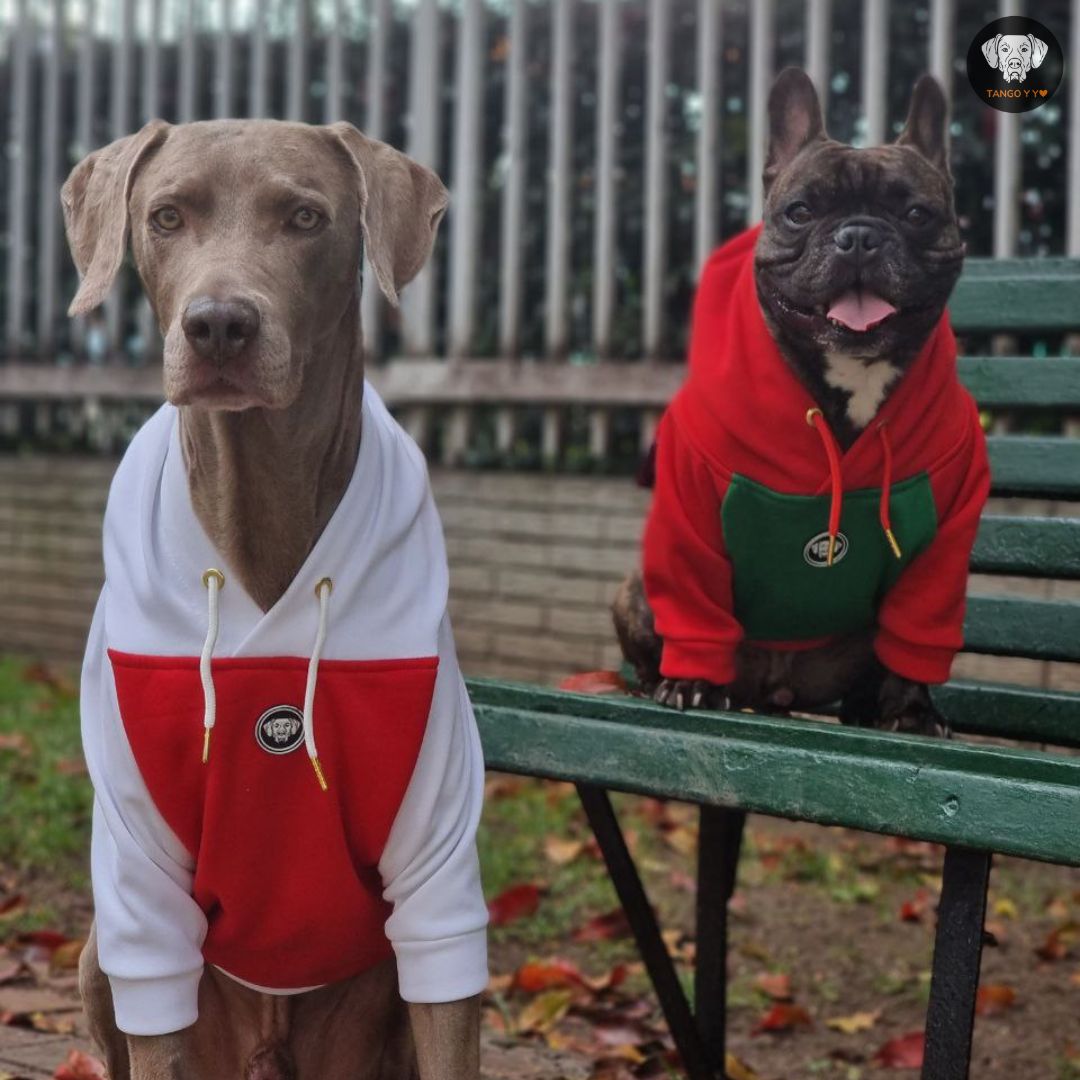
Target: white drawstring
(322, 591)
(213, 580)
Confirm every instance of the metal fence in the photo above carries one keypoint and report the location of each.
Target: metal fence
(596, 151)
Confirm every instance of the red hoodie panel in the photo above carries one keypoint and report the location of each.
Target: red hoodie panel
(284, 910)
(743, 412)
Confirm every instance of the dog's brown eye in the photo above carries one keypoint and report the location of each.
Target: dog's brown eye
(305, 218)
(798, 213)
(918, 215)
(167, 218)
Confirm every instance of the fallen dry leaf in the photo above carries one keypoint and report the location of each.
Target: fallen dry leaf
(783, 1018)
(736, 1070)
(904, 1052)
(777, 986)
(595, 682)
(682, 839)
(517, 902)
(65, 957)
(80, 1066)
(1005, 908)
(561, 851)
(544, 1011)
(613, 924)
(1060, 942)
(856, 1022)
(37, 1021)
(537, 977)
(12, 906)
(994, 998)
(914, 909)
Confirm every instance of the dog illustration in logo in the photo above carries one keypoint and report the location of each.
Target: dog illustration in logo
(280, 729)
(1014, 54)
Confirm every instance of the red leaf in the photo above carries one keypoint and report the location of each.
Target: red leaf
(1060, 942)
(46, 939)
(783, 1018)
(533, 978)
(913, 910)
(604, 927)
(12, 906)
(80, 1066)
(777, 986)
(517, 902)
(993, 999)
(594, 682)
(905, 1052)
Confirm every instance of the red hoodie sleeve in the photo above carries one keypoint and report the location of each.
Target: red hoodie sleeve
(687, 571)
(921, 620)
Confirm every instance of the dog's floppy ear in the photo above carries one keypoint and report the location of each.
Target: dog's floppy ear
(95, 203)
(794, 120)
(1038, 50)
(927, 123)
(990, 50)
(401, 205)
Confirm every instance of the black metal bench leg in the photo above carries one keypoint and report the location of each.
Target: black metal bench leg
(950, 1016)
(718, 862)
(639, 914)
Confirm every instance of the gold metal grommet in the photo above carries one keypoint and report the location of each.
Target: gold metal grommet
(319, 588)
(810, 414)
(212, 573)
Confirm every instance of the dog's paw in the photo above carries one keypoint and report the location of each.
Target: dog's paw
(906, 706)
(685, 694)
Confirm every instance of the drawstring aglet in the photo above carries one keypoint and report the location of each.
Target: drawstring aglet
(889, 535)
(206, 745)
(832, 548)
(319, 774)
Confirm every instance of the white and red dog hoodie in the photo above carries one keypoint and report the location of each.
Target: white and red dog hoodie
(293, 795)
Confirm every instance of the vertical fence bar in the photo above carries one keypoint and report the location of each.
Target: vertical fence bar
(335, 65)
(425, 129)
(708, 136)
(188, 65)
(818, 33)
(875, 64)
(19, 180)
(942, 35)
(84, 121)
(121, 125)
(223, 84)
(513, 197)
(1072, 244)
(762, 24)
(654, 272)
(49, 199)
(1006, 168)
(378, 29)
(297, 75)
(151, 68)
(257, 92)
(560, 164)
(607, 119)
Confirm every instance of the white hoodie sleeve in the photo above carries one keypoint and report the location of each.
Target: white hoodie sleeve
(149, 928)
(429, 867)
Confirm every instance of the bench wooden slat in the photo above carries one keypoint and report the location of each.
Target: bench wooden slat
(1009, 626)
(1012, 712)
(1017, 802)
(1024, 381)
(1017, 294)
(1043, 466)
(1028, 547)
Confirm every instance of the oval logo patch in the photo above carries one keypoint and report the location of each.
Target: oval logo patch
(816, 552)
(280, 730)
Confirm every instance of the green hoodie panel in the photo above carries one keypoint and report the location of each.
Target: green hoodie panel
(777, 543)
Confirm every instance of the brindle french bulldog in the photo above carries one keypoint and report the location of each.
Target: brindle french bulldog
(859, 252)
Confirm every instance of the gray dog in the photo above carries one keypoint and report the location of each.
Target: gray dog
(248, 237)
(821, 473)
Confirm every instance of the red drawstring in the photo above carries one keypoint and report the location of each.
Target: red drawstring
(886, 485)
(833, 454)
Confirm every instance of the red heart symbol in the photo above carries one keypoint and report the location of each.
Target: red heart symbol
(1042, 93)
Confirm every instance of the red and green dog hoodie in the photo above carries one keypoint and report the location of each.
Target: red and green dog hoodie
(762, 530)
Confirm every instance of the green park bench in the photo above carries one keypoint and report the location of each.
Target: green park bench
(976, 798)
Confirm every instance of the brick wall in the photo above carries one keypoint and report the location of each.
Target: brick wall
(534, 562)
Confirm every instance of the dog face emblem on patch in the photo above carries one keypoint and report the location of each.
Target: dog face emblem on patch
(280, 730)
(816, 552)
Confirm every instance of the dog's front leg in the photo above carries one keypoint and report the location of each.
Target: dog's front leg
(159, 1057)
(447, 1038)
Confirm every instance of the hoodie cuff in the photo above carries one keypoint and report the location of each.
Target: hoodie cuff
(920, 663)
(449, 969)
(156, 1006)
(712, 661)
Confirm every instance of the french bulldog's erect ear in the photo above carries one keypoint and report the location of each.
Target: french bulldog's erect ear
(95, 203)
(401, 205)
(794, 120)
(927, 124)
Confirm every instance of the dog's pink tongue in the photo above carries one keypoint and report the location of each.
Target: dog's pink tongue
(860, 310)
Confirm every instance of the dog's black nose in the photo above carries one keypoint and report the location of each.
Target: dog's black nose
(858, 239)
(220, 329)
